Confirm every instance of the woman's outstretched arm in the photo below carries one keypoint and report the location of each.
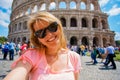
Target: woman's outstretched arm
(20, 72)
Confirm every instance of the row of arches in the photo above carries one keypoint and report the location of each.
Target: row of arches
(84, 22)
(18, 27)
(20, 11)
(73, 23)
(86, 41)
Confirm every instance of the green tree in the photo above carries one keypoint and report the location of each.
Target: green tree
(118, 42)
(3, 39)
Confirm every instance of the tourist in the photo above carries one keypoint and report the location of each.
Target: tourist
(94, 54)
(5, 50)
(50, 59)
(110, 51)
(11, 50)
(23, 48)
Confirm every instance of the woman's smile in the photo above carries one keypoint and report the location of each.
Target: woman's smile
(53, 38)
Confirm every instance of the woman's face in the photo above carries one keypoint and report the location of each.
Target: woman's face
(46, 37)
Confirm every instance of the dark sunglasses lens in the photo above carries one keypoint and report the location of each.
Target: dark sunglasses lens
(53, 27)
(41, 33)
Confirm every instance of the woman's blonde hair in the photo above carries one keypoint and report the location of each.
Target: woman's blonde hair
(44, 16)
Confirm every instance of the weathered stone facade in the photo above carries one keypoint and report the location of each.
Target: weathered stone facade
(83, 21)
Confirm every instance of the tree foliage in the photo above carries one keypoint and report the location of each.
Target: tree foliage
(3, 39)
(118, 43)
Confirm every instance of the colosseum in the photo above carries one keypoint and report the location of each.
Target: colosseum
(82, 20)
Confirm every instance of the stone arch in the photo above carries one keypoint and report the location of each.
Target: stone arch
(35, 9)
(72, 5)
(85, 41)
(24, 39)
(94, 23)
(104, 41)
(83, 5)
(14, 40)
(84, 22)
(96, 5)
(43, 7)
(52, 6)
(20, 26)
(73, 40)
(18, 39)
(15, 27)
(103, 24)
(92, 7)
(24, 25)
(63, 3)
(95, 41)
(63, 21)
(73, 22)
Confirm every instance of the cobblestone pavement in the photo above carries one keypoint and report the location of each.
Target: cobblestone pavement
(88, 72)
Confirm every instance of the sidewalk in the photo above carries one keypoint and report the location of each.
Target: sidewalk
(98, 71)
(88, 72)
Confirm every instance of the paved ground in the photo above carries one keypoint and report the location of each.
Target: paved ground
(88, 72)
(98, 72)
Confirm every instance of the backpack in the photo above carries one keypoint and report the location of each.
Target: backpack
(6, 48)
(97, 51)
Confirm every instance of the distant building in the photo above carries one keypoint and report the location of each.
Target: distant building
(84, 23)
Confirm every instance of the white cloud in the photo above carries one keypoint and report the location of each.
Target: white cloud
(3, 23)
(4, 19)
(103, 2)
(114, 11)
(117, 36)
(4, 16)
(6, 4)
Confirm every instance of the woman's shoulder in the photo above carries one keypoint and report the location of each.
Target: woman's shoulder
(33, 52)
(73, 53)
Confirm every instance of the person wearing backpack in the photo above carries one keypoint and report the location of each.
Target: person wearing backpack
(5, 51)
(11, 50)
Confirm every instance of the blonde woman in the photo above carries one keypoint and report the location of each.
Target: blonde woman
(50, 59)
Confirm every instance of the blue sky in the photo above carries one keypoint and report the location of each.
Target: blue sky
(111, 7)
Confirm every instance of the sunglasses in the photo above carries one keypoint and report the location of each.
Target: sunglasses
(42, 32)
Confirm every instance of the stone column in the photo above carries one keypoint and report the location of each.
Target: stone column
(90, 41)
(68, 5)
(78, 5)
(30, 10)
(68, 22)
(47, 6)
(57, 4)
(88, 5)
(101, 40)
(90, 23)
(100, 23)
(79, 21)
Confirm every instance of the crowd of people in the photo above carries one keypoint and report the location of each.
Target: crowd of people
(11, 49)
(106, 53)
